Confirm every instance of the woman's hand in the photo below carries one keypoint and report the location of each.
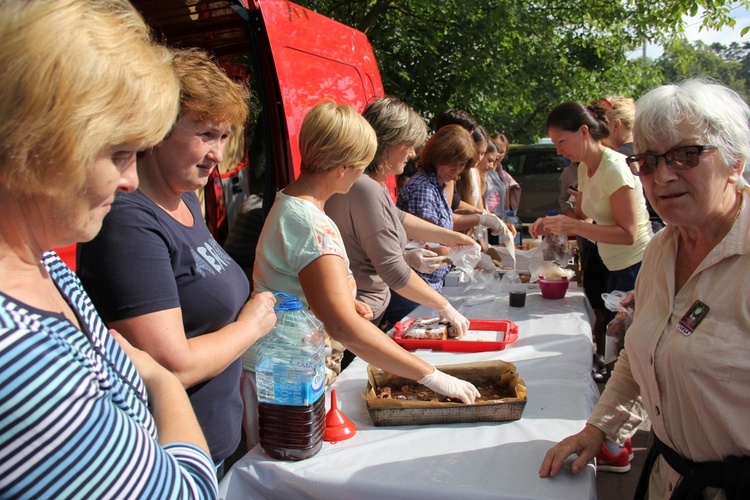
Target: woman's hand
(537, 228)
(424, 260)
(363, 310)
(258, 311)
(561, 224)
(450, 386)
(457, 239)
(586, 444)
(494, 223)
(455, 318)
(628, 300)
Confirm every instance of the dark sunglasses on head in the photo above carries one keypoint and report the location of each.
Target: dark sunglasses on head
(682, 158)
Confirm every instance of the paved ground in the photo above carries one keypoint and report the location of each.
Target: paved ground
(612, 486)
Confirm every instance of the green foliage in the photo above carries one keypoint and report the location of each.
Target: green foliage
(729, 65)
(508, 62)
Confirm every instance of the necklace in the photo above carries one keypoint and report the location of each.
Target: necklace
(316, 199)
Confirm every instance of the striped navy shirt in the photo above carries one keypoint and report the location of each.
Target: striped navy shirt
(74, 419)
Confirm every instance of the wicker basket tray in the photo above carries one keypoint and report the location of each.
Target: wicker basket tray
(408, 412)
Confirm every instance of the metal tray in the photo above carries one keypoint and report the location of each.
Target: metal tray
(400, 412)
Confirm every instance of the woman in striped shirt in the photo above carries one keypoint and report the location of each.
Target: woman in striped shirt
(82, 413)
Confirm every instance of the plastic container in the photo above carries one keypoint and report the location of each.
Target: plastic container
(290, 375)
(483, 335)
(511, 218)
(553, 289)
(516, 299)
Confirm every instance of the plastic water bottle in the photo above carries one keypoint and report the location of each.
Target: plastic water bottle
(510, 218)
(290, 375)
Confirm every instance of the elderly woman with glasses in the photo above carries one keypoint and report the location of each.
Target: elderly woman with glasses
(685, 353)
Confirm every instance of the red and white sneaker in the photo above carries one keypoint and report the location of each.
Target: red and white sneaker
(629, 446)
(606, 462)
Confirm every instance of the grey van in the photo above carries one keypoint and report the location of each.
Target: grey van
(537, 168)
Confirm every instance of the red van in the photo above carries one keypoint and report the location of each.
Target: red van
(292, 59)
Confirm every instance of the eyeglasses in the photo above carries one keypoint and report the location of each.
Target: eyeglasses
(682, 158)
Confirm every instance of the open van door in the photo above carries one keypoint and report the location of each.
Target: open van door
(292, 58)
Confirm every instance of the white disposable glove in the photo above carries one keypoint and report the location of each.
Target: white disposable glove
(424, 261)
(508, 236)
(493, 222)
(455, 318)
(450, 386)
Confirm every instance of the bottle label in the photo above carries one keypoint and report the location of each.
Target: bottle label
(298, 382)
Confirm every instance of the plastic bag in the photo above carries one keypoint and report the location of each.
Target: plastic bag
(613, 302)
(549, 269)
(615, 340)
(465, 258)
(555, 248)
(481, 279)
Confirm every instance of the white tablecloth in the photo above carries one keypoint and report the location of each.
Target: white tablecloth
(480, 460)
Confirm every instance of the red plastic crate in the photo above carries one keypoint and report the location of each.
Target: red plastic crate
(508, 328)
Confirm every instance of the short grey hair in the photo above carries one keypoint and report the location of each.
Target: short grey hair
(395, 123)
(715, 112)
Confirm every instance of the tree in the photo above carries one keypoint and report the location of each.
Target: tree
(508, 62)
(685, 60)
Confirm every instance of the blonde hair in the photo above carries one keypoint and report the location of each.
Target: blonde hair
(617, 108)
(78, 76)
(207, 91)
(333, 135)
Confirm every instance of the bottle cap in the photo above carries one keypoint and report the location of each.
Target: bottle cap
(286, 302)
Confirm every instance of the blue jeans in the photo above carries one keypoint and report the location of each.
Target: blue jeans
(622, 280)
